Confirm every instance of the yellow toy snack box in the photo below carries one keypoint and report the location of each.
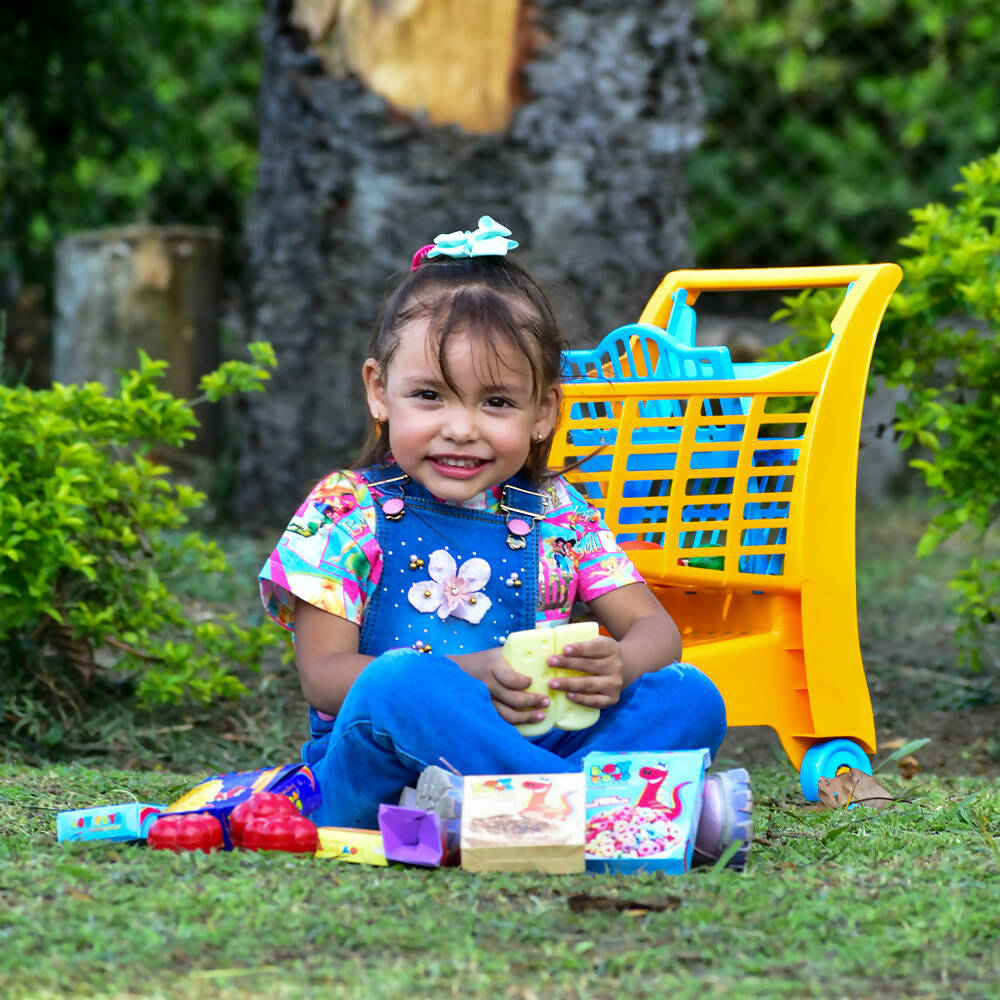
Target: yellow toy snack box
(359, 847)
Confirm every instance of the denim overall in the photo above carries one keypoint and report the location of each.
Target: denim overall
(418, 525)
(413, 706)
(425, 525)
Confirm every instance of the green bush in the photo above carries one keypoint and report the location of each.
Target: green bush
(940, 340)
(92, 541)
(827, 120)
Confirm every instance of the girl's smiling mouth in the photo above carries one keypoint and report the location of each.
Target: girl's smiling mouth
(458, 466)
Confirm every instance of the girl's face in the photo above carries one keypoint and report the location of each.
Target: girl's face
(458, 442)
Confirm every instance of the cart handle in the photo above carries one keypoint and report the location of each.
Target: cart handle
(695, 281)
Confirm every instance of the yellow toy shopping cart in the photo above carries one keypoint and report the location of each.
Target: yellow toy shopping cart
(733, 487)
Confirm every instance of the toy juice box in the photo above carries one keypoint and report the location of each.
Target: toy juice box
(358, 847)
(523, 822)
(221, 794)
(643, 809)
(130, 821)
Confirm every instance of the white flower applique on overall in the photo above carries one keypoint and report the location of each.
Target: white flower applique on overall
(451, 590)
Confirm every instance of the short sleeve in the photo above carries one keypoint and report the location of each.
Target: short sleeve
(328, 556)
(600, 564)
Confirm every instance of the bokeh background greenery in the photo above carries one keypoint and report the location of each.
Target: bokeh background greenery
(828, 125)
(838, 115)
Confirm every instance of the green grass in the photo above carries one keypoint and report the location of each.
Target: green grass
(833, 904)
(855, 904)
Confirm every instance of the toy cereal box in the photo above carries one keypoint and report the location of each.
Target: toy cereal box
(523, 822)
(643, 809)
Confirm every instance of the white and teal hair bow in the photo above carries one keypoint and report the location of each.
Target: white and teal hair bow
(488, 240)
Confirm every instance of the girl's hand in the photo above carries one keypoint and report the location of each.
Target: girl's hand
(506, 686)
(602, 661)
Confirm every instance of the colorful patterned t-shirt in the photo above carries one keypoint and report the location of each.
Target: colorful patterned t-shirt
(329, 556)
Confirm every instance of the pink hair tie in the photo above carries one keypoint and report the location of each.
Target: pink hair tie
(418, 257)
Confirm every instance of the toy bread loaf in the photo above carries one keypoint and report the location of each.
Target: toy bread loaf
(528, 651)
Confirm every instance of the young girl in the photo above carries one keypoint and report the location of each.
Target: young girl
(402, 576)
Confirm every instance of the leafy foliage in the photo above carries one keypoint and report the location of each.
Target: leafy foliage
(828, 119)
(117, 111)
(92, 544)
(940, 339)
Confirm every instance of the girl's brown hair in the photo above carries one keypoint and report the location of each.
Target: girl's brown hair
(491, 298)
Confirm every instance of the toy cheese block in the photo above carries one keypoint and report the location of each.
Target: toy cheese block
(130, 821)
(221, 794)
(523, 822)
(528, 651)
(358, 847)
(643, 809)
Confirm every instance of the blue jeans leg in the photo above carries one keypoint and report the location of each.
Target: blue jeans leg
(406, 711)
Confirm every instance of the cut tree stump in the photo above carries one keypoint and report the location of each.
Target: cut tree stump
(119, 291)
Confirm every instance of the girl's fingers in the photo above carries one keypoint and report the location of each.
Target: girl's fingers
(519, 701)
(587, 666)
(508, 677)
(587, 685)
(592, 699)
(597, 692)
(515, 716)
(592, 649)
(595, 656)
(591, 672)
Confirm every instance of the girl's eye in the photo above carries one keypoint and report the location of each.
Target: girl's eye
(498, 401)
(428, 394)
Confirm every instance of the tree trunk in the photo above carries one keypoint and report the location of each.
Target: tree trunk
(386, 122)
(119, 291)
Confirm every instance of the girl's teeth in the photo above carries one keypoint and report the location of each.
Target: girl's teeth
(461, 463)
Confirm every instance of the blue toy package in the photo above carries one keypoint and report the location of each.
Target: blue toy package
(118, 823)
(222, 793)
(643, 810)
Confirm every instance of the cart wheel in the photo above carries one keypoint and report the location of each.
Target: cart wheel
(827, 760)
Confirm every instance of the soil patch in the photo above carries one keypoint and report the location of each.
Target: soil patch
(963, 742)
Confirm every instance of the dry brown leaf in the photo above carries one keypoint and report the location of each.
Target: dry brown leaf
(908, 767)
(853, 787)
(894, 744)
(582, 902)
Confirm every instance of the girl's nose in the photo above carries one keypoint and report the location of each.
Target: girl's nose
(460, 425)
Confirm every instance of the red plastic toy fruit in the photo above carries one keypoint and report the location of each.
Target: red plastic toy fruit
(263, 804)
(295, 834)
(186, 832)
